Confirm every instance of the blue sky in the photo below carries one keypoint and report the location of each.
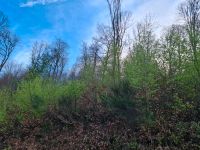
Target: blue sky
(74, 21)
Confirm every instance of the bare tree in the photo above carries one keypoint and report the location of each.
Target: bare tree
(85, 56)
(7, 41)
(95, 57)
(39, 59)
(11, 68)
(7, 45)
(145, 37)
(59, 58)
(104, 40)
(3, 21)
(49, 60)
(119, 22)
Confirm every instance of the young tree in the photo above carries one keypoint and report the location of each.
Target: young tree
(172, 56)
(141, 68)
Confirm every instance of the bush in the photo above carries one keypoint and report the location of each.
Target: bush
(33, 98)
(121, 100)
(120, 96)
(5, 102)
(35, 95)
(72, 92)
(179, 105)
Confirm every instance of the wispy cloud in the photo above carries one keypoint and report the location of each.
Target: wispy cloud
(31, 3)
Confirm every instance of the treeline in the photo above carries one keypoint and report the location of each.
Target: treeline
(157, 72)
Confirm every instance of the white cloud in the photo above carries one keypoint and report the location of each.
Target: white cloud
(164, 12)
(31, 3)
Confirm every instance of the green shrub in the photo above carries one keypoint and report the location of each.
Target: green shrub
(134, 145)
(72, 91)
(195, 126)
(121, 100)
(120, 96)
(5, 102)
(36, 95)
(33, 97)
(179, 105)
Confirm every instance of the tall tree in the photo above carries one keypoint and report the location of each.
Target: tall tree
(119, 21)
(172, 57)
(190, 12)
(174, 50)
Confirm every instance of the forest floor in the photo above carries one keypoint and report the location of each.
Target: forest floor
(97, 128)
(84, 130)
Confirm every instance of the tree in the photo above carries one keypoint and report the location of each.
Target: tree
(3, 21)
(104, 41)
(8, 41)
(173, 57)
(59, 58)
(49, 60)
(85, 56)
(190, 12)
(40, 59)
(141, 62)
(119, 22)
(141, 68)
(95, 57)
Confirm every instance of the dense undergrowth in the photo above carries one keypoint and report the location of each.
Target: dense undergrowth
(34, 97)
(65, 116)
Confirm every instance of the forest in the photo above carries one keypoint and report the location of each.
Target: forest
(127, 90)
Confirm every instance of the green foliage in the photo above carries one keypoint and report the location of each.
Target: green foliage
(121, 99)
(187, 82)
(36, 95)
(145, 115)
(195, 126)
(134, 145)
(179, 105)
(184, 130)
(157, 74)
(87, 74)
(5, 102)
(141, 70)
(72, 92)
(120, 96)
(75, 89)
